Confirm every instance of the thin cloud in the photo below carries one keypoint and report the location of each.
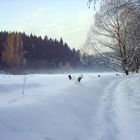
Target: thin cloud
(72, 28)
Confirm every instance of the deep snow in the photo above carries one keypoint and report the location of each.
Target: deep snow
(55, 108)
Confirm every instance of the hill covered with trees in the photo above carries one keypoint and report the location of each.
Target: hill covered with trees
(19, 51)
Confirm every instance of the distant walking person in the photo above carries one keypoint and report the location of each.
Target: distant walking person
(69, 76)
(80, 78)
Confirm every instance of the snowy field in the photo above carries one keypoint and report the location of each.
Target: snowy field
(55, 108)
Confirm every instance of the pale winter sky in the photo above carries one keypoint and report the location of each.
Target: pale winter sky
(69, 19)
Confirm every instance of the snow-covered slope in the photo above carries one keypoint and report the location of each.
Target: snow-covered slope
(55, 108)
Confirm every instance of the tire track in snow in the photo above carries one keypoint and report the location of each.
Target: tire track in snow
(105, 126)
(120, 106)
(116, 118)
(127, 119)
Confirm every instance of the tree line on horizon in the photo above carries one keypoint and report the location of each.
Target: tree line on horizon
(19, 51)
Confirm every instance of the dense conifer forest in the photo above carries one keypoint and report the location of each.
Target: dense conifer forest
(19, 51)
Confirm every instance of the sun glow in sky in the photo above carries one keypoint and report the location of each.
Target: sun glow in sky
(69, 19)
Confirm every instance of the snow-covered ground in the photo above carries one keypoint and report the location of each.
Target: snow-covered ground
(55, 108)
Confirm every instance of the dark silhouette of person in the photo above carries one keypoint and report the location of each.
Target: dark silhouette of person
(79, 79)
(69, 76)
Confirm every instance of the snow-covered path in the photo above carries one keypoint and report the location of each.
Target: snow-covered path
(54, 108)
(117, 118)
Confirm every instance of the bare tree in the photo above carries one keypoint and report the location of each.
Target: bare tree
(128, 2)
(134, 39)
(112, 31)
